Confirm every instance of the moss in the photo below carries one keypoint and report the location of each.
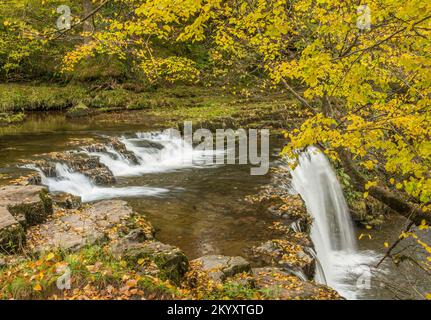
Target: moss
(18, 97)
(95, 274)
(172, 263)
(12, 238)
(79, 110)
(7, 118)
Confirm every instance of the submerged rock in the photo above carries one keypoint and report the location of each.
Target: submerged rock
(282, 285)
(219, 267)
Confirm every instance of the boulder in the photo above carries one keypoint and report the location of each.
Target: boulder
(12, 233)
(117, 145)
(89, 166)
(171, 261)
(219, 267)
(66, 200)
(29, 205)
(73, 229)
(286, 254)
(279, 284)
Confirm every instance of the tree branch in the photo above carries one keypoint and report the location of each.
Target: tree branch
(384, 195)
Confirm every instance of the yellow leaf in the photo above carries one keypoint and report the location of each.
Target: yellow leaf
(50, 256)
(141, 261)
(428, 296)
(365, 195)
(386, 245)
(37, 287)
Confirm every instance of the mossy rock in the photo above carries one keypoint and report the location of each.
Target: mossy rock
(12, 235)
(29, 205)
(79, 110)
(171, 261)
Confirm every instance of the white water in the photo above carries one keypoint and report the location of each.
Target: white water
(342, 265)
(175, 154)
(78, 184)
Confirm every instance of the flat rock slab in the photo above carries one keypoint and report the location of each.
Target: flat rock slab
(29, 204)
(73, 229)
(282, 285)
(21, 206)
(219, 267)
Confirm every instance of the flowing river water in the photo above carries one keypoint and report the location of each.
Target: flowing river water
(202, 209)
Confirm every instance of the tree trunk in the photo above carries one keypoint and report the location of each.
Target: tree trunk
(384, 195)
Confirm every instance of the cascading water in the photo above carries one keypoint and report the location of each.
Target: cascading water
(154, 151)
(332, 230)
(167, 153)
(66, 180)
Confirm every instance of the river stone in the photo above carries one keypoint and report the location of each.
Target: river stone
(89, 166)
(12, 233)
(282, 285)
(286, 254)
(66, 200)
(219, 267)
(73, 229)
(30, 204)
(171, 261)
(116, 144)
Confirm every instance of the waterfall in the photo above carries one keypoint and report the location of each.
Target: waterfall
(332, 230)
(66, 180)
(155, 152)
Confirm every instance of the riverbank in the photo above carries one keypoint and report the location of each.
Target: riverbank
(169, 107)
(61, 248)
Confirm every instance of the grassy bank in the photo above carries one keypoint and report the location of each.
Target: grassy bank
(206, 106)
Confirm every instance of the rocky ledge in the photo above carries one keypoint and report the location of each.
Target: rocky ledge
(36, 222)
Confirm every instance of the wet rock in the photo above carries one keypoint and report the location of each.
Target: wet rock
(282, 285)
(219, 267)
(66, 200)
(171, 261)
(73, 229)
(286, 254)
(12, 234)
(29, 205)
(117, 145)
(278, 201)
(89, 166)
(139, 235)
(149, 144)
(79, 110)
